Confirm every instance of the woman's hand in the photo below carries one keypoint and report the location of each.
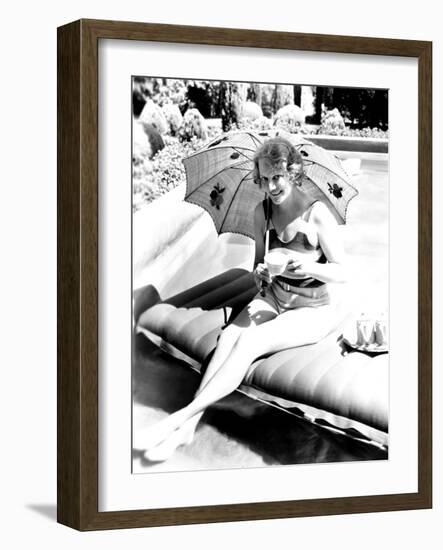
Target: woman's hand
(297, 269)
(262, 276)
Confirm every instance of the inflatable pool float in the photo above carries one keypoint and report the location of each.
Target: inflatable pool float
(327, 383)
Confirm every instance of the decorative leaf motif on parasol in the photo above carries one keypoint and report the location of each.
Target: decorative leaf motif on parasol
(216, 196)
(336, 190)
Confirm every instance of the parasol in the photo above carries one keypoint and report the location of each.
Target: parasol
(219, 178)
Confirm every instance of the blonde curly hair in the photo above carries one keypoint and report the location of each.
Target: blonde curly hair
(276, 150)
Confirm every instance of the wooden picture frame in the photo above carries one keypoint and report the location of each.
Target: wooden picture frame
(77, 458)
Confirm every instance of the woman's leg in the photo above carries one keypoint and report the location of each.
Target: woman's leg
(290, 329)
(185, 433)
(323, 319)
(258, 311)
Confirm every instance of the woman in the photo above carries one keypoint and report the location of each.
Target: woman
(291, 309)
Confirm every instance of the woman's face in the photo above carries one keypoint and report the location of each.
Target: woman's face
(274, 179)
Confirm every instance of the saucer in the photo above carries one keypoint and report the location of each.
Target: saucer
(350, 339)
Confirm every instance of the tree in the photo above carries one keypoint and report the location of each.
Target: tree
(255, 93)
(297, 95)
(230, 100)
(283, 95)
(361, 106)
(203, 95)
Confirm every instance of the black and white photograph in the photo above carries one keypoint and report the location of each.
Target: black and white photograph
(260, 274)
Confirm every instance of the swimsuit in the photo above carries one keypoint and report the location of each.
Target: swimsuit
(286, 293)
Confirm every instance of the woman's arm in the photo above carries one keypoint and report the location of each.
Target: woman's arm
(331, 243)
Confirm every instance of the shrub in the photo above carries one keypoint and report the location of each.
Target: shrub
(141, 147)
(173, 117)
(173, 92)
(193, 126)
(332, 120)
(354, 132)
(364, 108)
(251, 110)
(152, 114)
(155, 139)
(260, 124)
(333, 124)
(153, 178)
(290, 118)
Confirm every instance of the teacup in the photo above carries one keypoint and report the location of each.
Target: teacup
(276, 262)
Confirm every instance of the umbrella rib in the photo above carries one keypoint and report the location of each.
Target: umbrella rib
(224, 169)
(255, 138)
(248, 170)
(232, 200)
(206, 150)
(315, 162)
(240, 153)
(238, 168)
(323, 165)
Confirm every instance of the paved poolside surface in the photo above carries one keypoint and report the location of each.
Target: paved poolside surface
(238, 431)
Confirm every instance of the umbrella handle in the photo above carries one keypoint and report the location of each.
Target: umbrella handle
(264, 284)
(267, 224)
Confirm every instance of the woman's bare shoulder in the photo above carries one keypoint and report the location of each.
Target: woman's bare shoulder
(321, 215)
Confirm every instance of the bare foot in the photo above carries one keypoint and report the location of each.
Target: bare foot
(154, 435)
(164, 450)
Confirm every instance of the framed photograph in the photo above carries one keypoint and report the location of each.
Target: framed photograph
(244, 275)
